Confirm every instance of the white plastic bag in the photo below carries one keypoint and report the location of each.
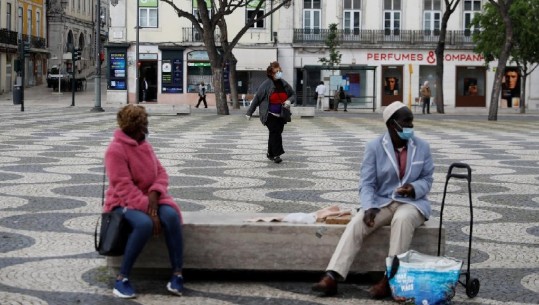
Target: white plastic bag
(423, 279)
(307, 218)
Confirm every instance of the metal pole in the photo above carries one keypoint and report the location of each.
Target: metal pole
(137, 72)
(97, 79)
(23, 67)
(73, 76)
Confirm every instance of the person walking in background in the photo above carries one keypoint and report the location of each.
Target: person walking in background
(144, 89)
(138, 188)
(320, 92)
(425, 96)
(202, 95)
(273, 94)
(340, 97)
(396, 176)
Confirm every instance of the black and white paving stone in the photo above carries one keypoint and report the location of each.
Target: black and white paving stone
(50, 196)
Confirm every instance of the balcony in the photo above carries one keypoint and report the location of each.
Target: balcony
(11, 38)
(388, 38)
(192, 35)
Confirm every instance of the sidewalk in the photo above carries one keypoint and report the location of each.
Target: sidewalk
(51, 179)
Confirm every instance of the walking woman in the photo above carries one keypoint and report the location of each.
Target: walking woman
(138, 188)
(273, 94)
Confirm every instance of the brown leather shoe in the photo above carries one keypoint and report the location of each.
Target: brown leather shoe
(381, 289)
(327, 285)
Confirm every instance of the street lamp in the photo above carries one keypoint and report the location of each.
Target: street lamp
(137, 73)
(97, 87)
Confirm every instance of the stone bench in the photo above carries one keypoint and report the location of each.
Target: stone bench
(167, 109)
(302, 112)
(227, 242)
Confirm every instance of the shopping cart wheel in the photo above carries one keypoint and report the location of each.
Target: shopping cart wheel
(472, 288)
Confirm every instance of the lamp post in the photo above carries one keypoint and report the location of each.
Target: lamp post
(137, 72)
(97, 86)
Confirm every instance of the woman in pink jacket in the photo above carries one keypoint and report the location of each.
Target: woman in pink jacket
(138, 186)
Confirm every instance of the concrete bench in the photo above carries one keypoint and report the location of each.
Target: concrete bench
(302, 112)
(227, 242)
(167, 109)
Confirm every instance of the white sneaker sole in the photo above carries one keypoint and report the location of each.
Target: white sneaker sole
(121, 295)
(173, 291)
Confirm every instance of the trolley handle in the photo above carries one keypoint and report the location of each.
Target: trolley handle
(467, 176)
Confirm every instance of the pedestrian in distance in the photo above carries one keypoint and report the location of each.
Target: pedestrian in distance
(273, 94)
(340, 97)
(138, 188)
(145, 88)
(425, 96)
(202, 95)
(396, 176)
(320, 92)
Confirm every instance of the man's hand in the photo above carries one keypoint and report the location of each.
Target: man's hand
(369, 216)
(406, 190)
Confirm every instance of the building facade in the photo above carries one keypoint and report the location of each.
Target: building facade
(22, 21)
(72, 25)
(387, 49)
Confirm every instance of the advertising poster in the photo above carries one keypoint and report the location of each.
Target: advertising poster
(117, 70)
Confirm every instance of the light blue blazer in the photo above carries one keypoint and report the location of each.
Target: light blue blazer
(379, 175)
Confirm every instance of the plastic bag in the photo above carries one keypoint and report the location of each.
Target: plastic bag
(306, 218)
(423, 279)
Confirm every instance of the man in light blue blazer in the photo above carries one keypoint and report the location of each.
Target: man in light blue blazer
(396, 176)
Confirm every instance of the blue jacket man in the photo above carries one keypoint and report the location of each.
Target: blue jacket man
(396, 176)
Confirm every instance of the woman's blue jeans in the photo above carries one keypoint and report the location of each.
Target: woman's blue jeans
(142, 230)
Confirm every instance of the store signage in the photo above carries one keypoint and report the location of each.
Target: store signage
(430, 57)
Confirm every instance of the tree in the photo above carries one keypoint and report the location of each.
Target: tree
(450, 6)
(332, 41)
(502, 8)
(209, 18)
(524, 15)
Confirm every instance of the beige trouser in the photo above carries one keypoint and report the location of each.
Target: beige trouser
(404, 218)
(320, 102)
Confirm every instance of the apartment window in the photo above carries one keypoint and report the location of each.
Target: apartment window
(196, 35)
(148, 12)
(252, 14)
(38, 24)
(312, 16)
(8, 16)
(471, 8)
(431, 17)
(392, 17)
(352, 16)
(29, 22)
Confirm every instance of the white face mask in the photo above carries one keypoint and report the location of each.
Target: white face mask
(278, 75)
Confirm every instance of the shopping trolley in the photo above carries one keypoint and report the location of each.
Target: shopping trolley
(472, 284)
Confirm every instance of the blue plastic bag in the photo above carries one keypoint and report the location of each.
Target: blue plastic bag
(423, 279)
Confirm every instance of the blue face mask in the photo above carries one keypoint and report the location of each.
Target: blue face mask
(406, 134)
(278, 75)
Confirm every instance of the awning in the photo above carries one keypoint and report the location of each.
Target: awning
(254, 59)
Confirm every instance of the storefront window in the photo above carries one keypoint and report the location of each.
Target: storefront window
(471, 87)
(198, 70)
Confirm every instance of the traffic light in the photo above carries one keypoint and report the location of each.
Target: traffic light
(77, 54)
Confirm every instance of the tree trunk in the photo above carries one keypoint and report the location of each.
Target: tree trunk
(523, 92)
(220, 96)
(233, 84)
(502, 61)
(440, 49)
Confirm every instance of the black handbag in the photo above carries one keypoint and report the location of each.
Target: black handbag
(286, 115)
(114, 231)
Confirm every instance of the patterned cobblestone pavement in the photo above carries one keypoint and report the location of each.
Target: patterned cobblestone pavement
(50, 196)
